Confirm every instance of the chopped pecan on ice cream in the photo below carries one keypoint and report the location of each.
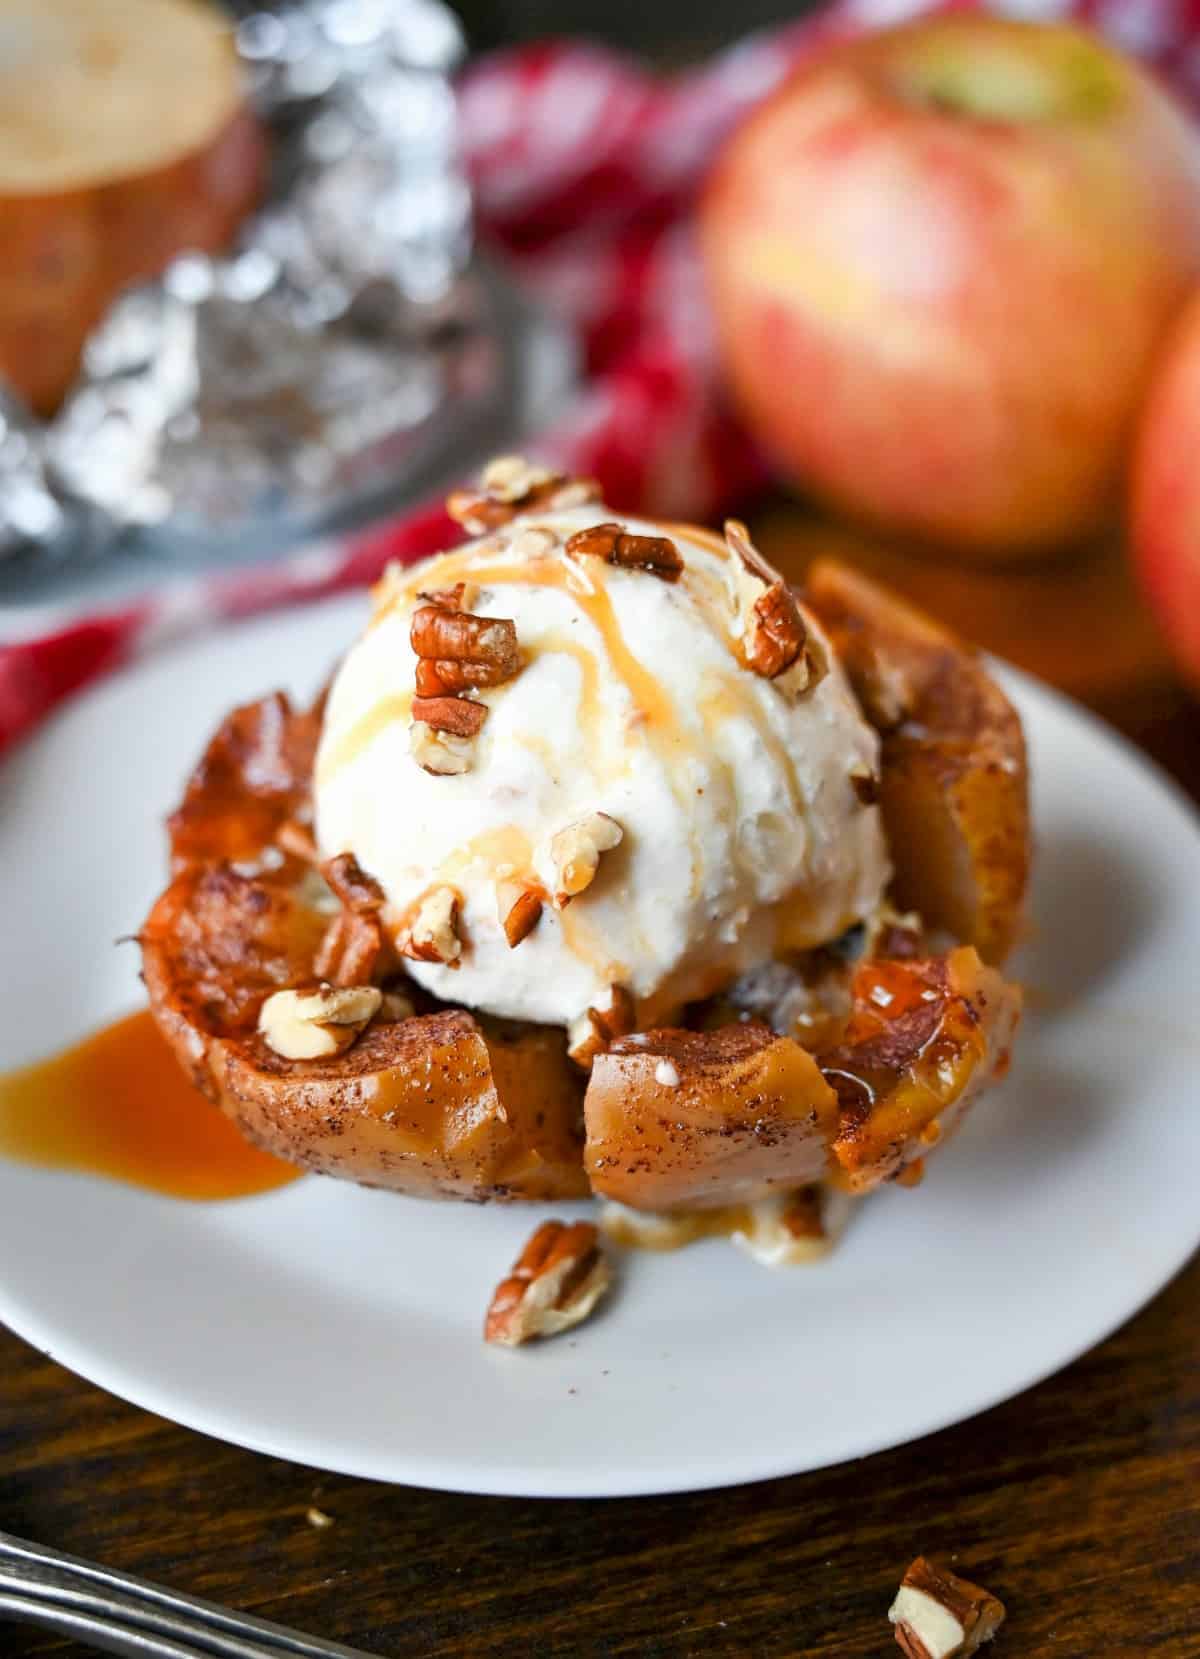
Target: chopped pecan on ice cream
(511, 485)
(356, 948)
(618, 546)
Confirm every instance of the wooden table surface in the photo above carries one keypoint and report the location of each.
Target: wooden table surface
(1078, 1502)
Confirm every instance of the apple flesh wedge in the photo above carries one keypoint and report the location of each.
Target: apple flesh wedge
(437, 1105)
(954, 785)
(441, 1105)
(124, 141)
(925, 1038)
(701, 1119)
(255, 774)
(215, 946)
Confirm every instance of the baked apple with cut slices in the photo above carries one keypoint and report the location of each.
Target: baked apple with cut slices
(607, 863)
(125, 139)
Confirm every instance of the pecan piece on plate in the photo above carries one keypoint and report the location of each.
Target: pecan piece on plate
(618, 546)
(937, 1615)
(555, 1284)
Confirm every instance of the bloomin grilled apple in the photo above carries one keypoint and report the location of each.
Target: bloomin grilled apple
(434, 1100)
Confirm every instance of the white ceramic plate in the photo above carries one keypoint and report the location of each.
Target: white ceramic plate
(341, 1327)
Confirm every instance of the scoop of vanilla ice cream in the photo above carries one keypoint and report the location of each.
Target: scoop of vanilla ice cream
(742, 834)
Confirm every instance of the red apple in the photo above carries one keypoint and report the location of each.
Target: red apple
(942, 257)
(1165, 528)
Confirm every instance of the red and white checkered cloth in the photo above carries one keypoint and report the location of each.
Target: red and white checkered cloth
(585, 168)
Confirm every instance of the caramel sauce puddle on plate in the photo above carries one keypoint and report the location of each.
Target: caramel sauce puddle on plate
(119, 1104)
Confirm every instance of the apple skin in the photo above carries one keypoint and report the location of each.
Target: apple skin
(941, 258)
(1165, 504)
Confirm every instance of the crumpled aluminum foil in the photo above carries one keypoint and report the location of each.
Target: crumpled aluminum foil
(287, 383)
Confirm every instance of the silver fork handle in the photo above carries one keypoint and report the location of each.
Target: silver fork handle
(124, 1615)
(105, 1632)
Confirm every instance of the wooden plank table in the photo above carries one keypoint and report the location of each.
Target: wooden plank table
(1078, 1503)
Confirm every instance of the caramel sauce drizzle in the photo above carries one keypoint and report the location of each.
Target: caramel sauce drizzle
(654, 705)
(687, 1227)
(583, 943)
(505, 845)
(591, 713)
(363, 733)
(119, 1104)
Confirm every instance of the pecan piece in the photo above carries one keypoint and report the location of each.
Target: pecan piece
(938, 1615)
(865, 784)
(511, 485)
(576, 850)
(357, 890)
(459, 715)
(597, 1027)
(737, 539)
(535, 543)
(297, 839)
(779, 635)
(899, 937)
(555, 1284)
(466, 650)
(308, 1025)
(429, 932)
(429, 682)
(885, 690)
(355, 948)
(617, 546)
(511, 478)
(447, 599)
(439, 752)
(776, 635)
(520, 909)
